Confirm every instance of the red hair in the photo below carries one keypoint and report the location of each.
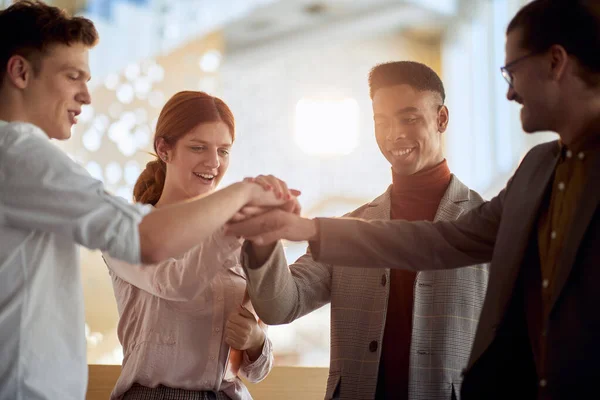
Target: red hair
(182, 113)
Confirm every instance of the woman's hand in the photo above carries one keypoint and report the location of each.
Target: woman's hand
(243, 332)
(268, 192)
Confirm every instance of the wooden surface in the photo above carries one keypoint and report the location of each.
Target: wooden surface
(290, 383)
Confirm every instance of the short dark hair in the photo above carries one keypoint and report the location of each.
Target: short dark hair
(29, 28)
(412, 73)
(573, 24)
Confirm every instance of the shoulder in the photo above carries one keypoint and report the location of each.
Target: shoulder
(13, 132)
(540, 151)
(461, 194)
(378, 204)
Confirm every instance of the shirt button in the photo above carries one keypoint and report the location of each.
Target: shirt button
(373, 346)
(383, 280)
(545, 284)
(220, 298)
(581, 156)
(212, 357)
(228, 264)
(569, 154)
(217, 329)
(207, 383)
(553, 235)
(561, 186)
(543, 383)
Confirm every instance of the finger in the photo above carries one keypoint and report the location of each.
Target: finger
(276, 184)
(245, 313)
(237, 217)
(295, 192)
(250, 211)
(264, 182)
(241, 326)
(233, 343)
(236, 337)
(291, 206)
(269, 221)
(297, 209)
(283, 188)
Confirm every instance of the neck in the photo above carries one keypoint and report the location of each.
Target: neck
(438, 174)
(170, 196)
(581, 121)
(11, 106)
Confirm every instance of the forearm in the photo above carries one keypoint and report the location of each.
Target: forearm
(172, 230)
(281, 294)
(401, 244)
(258, 255)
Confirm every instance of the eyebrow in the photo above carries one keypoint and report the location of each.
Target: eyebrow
(401, 111)
(78, 70)
(195, 140)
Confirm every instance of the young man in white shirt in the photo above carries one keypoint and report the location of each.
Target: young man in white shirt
(49, 205)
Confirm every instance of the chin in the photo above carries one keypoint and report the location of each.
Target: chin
(62, 134)
(531, 126)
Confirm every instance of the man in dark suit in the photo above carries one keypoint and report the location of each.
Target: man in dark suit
(539, 331)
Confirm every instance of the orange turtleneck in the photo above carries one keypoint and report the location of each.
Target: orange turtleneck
(413, 198)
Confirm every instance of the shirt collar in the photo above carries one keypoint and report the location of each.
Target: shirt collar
(31, 128)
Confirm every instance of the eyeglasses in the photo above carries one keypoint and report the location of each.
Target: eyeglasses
(505, 71)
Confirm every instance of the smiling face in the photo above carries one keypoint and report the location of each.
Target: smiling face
(198, 160)
(55, 94)
(534, 86)
(408, 127)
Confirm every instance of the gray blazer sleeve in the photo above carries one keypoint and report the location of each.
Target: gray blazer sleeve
(281, 294)
(411, 245)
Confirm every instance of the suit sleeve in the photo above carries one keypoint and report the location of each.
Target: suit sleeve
(411, 245)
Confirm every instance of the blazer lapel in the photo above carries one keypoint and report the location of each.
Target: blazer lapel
(450, 206)
(582, 218)
(380, 207)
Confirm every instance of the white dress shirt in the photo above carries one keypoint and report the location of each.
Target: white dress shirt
(48, 205)
(172, 318)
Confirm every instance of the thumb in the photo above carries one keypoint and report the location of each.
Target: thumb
(244, 312)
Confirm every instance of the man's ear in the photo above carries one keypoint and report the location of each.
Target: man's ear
(19, 71)
(443, 118)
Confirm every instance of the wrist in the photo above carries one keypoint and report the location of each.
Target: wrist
(255, 351)
(311, 229)
(247, 189)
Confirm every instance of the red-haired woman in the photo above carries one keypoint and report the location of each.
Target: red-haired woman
(179, 318)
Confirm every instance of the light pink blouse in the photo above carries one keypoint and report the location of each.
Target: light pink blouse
(172, 317)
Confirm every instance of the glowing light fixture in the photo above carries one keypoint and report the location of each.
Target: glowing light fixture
(327, 127)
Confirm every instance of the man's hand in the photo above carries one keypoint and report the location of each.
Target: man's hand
(243, 332)
(274, 225)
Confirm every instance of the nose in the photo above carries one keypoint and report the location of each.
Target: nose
(396, 132)
(510, 93)
(212, 159)
(84, 96)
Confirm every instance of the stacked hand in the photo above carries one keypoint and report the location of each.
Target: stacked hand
(243, 332)
(268, 193)
(263, 222)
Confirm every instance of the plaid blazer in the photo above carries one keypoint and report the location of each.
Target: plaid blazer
(447, 304)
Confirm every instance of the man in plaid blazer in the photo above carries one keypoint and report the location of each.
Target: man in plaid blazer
(393, 335)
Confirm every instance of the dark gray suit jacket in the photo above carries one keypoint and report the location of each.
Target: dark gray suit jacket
(503, 230)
